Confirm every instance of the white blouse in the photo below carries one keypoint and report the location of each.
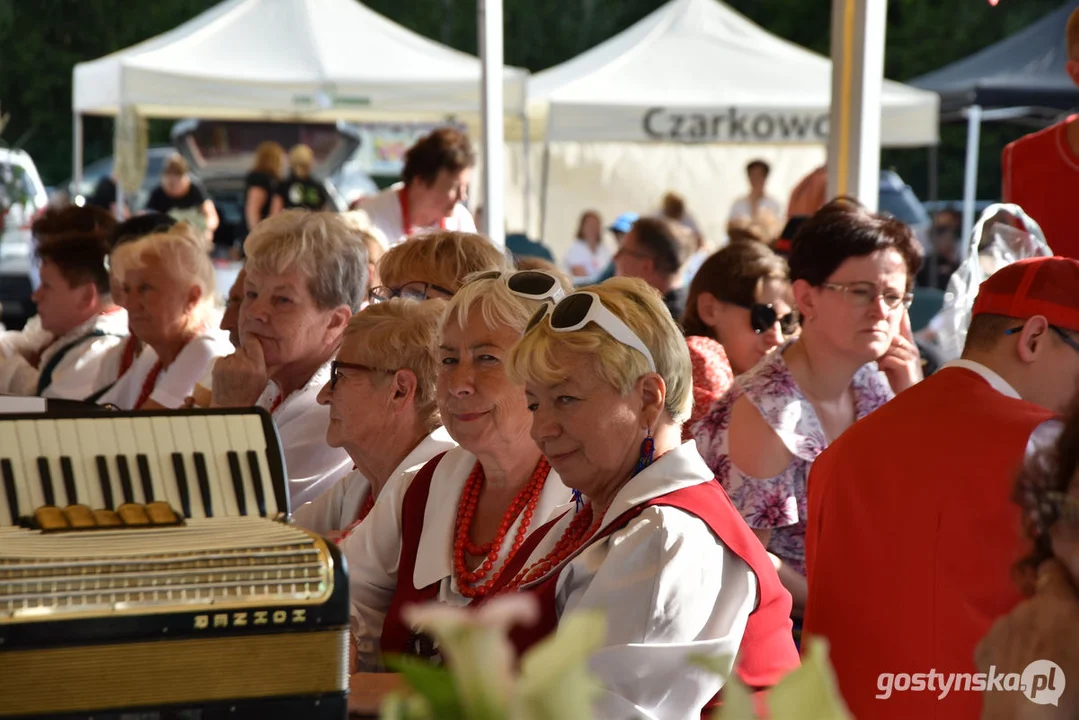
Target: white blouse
(175, 382)
(373, 550)
(337, 508)
(669, 589)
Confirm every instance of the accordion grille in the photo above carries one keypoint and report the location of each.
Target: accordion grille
(244, 561)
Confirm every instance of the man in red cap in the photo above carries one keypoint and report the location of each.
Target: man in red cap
(911, 532)
(1040, 171)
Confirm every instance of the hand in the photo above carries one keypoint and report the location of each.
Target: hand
(902, 363)
(1045, 627)
(240, 378)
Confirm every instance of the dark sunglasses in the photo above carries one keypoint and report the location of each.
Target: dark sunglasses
(337, 365)
(764, 317)
(409, 291)
(529, 284)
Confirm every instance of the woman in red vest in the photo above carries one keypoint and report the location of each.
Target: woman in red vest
(448, 533)
(653, 541)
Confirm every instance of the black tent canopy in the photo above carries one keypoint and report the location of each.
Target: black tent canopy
(1023, 70)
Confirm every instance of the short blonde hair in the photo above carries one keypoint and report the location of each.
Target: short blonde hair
(640, 307)
(301, 157)
(401, 335)
(441, 258)
(270, 159)
(320, 246)
(498, 305)
(185, 253)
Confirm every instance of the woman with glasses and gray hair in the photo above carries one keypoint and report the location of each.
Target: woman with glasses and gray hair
(447, 533)
(434, 265)
(653, 541)
(852, 272)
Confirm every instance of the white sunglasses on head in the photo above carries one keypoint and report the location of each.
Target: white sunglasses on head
(578, 309)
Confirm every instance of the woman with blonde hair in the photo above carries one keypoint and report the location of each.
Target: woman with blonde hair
(306, 274)
(261, 183)
(301, 189)
(383, 411)
(448, 533)
(168, 291)
(434, 266)
(656, 545)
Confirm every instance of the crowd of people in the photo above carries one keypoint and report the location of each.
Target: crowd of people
(720, 460)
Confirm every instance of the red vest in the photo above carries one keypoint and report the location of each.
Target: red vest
(767, 651)
(911, 537)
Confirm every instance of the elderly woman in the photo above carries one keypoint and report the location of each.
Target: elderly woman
(739, 309)
(306, 273)
(852, 273)
(168, 290)
(434, 266)
(656, 546)
(383, 411)
(448, 534)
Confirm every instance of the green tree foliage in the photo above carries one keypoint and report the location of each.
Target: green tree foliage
(41, 40)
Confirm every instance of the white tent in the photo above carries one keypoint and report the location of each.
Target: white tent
(681, 101)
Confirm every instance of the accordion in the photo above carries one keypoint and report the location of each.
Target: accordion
(147, 571)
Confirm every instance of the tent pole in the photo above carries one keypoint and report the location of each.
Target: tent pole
(970, 179)
(526, 150)
(934, 170)
(76, 154)
(544, 179)
(494, 170)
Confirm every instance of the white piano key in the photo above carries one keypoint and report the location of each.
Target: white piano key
(165, 483)
(200, 435)
(49, 443)
(239, 443)
(256, 436)
(183, 444)
(126, 446)
(146, 444)
(217, 462)
(28, 444)
(10, 451)
(107, 448)
(90, 446)
(67, 435)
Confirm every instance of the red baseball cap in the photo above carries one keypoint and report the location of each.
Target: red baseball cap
(1046, 286)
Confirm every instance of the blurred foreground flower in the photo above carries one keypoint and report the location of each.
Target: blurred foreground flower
(480, 681)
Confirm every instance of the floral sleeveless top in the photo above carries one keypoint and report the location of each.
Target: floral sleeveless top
(779, 503)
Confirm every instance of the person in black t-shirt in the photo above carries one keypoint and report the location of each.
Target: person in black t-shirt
(262, 182)
(104, 196)
(178, 193)
(300, 189)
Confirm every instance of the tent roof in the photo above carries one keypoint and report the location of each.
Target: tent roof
(702, 56)
(283, 59)
(1024, 69)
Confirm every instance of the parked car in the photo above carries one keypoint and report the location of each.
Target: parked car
(22, 199)
(92, 174)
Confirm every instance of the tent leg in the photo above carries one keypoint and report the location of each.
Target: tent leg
(76, 154)
(970, 179)
(526, 150)
(934, 173)
(544, 179)
(489, 18)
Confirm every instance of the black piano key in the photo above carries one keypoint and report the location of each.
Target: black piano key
(106, 482)
(204, 484)
(68, 472)
(256, 480)
(9, 489)
(125, 479)
(181, 483)
(237, 480)
(46, 480)
(143, 463)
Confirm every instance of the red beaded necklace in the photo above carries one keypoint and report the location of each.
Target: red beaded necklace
(525, 502)
(580, 530)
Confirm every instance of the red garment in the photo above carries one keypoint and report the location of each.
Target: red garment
(712, 378)
(1041, 175)
(911, 537)
(767, 651)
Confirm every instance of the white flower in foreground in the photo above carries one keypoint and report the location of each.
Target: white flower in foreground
(477, 649)
(555, 683)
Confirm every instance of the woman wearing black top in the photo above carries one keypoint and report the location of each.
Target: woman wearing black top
(177, 193)
(262, 182)
(300, 189)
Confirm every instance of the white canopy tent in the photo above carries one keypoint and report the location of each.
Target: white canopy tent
(310, 60)
(681, 101)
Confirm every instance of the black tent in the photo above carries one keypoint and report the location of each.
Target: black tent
(1023, 70)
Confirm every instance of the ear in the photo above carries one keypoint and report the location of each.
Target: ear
(337, 320)
(709, 309)
(1072, 66)
(87, 296)
(1033, 338)
(404, 388)
(653, 394)
(805, 299)
(194, 294)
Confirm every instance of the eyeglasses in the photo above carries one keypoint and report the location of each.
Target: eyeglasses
(862, 294)
(336, 366)
(1068, 339)
(415, 290)
(764, 317)
(528, 284)
(582, 307)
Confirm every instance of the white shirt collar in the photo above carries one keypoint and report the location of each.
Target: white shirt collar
(998, 383)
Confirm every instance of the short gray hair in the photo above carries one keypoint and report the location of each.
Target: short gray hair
(320, 246)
